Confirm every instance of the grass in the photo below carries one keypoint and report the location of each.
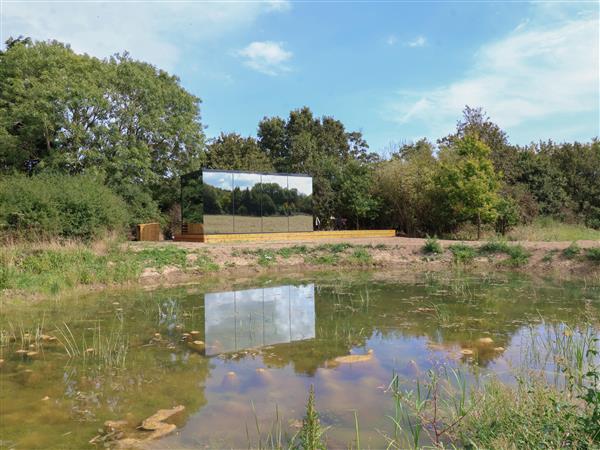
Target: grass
(432, 247)
(517, 255)
(593, 254)
(462, 253)
(361, 256)
(572, 251)
(52, 267)
(548, 229)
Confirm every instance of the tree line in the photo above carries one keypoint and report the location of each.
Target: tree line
(135, 130)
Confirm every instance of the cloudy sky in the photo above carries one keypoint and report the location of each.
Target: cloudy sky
(397, 71)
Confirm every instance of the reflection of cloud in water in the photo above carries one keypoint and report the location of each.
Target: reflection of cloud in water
(257, 317)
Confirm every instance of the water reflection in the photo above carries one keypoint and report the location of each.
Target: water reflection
(251, 318)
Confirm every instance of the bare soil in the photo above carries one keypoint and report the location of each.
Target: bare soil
(386, 253)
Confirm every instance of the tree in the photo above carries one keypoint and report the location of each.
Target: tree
(466, 184)
(234, 152)
(404, 185)
(354, 193)
(125, 121)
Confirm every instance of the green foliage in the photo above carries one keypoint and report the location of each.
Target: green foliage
(494, 246)
(550, 229)
(572, 251)
(508, 215)
(463, 253)
(47, 206)
(234, 152)
(361, 256)
(432, 246)
(310, 436)
(124, 120)
(517, 256)
(593, 254)
(466, 184)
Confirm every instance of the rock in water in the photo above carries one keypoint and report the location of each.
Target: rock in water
(485, 340)
(196, 345)
(466, 352)
(349, 359)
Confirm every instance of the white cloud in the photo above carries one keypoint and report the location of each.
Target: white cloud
(391, 39)
(267, 57)
(156, 32)
(530, 75)
(419, 41)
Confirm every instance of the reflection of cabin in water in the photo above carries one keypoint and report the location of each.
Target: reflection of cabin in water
(218, 202)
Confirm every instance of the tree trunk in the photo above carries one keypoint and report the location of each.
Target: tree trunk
(478, 225)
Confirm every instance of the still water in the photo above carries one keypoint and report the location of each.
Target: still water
(244, 357)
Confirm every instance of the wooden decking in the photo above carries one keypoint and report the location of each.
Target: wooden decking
(291, 236)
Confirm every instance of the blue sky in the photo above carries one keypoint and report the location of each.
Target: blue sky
(397, 71)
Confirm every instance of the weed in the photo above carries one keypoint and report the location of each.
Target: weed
(549, 256)
(324, 260)
(432, 246)
(311, 433)
(494, 246)
(205, 263)
(463, 253)
(572, 251)
(518, 256)
(593, 254)
(361, 256)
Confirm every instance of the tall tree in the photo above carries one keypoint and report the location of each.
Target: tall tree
(466, 183)
(234, 152)
(122, 119)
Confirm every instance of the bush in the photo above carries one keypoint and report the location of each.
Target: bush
(593, 254)
(48, 206)
(572, 251)
(463, 253)
(432, 246)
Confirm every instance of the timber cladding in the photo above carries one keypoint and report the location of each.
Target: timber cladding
(148, 232)
(297, 236)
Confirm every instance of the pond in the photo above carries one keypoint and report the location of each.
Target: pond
(241, 359)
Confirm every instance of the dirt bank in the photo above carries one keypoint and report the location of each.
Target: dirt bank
(247, 258)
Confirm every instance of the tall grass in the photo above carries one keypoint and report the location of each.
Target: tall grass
(548, 229)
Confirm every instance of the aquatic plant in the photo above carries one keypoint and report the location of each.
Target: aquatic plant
(310, 436)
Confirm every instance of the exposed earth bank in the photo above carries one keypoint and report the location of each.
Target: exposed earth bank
(393, 253)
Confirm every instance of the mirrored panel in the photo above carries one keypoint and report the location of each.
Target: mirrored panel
(300, 202)
(247, 203)
(218, 202)
(275, 207)
(192, 202)
(258, 317)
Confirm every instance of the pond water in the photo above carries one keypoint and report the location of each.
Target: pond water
(124, 355)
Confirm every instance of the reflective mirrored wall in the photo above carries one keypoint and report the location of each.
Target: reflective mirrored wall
(243, 202)
(192, 201)
(247, 203)
(274, 203)
(218, 202)
(257, 317)
(300, 203)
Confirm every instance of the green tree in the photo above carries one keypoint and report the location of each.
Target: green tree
(122, 120)
(404, 185)
(466, 183)
(354, 193)
(234, 152)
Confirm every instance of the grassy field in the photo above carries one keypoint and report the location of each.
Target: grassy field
(546, 229)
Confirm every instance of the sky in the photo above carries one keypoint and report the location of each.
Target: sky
(395, 70)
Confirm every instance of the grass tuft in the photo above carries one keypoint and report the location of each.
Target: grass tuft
(432, 246)
(463, 254)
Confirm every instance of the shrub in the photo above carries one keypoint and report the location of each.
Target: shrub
(432, 246)
(572, 251)
(462, 253)
(593, 254)
(518, 256)
(48, 206)
(492, 247)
